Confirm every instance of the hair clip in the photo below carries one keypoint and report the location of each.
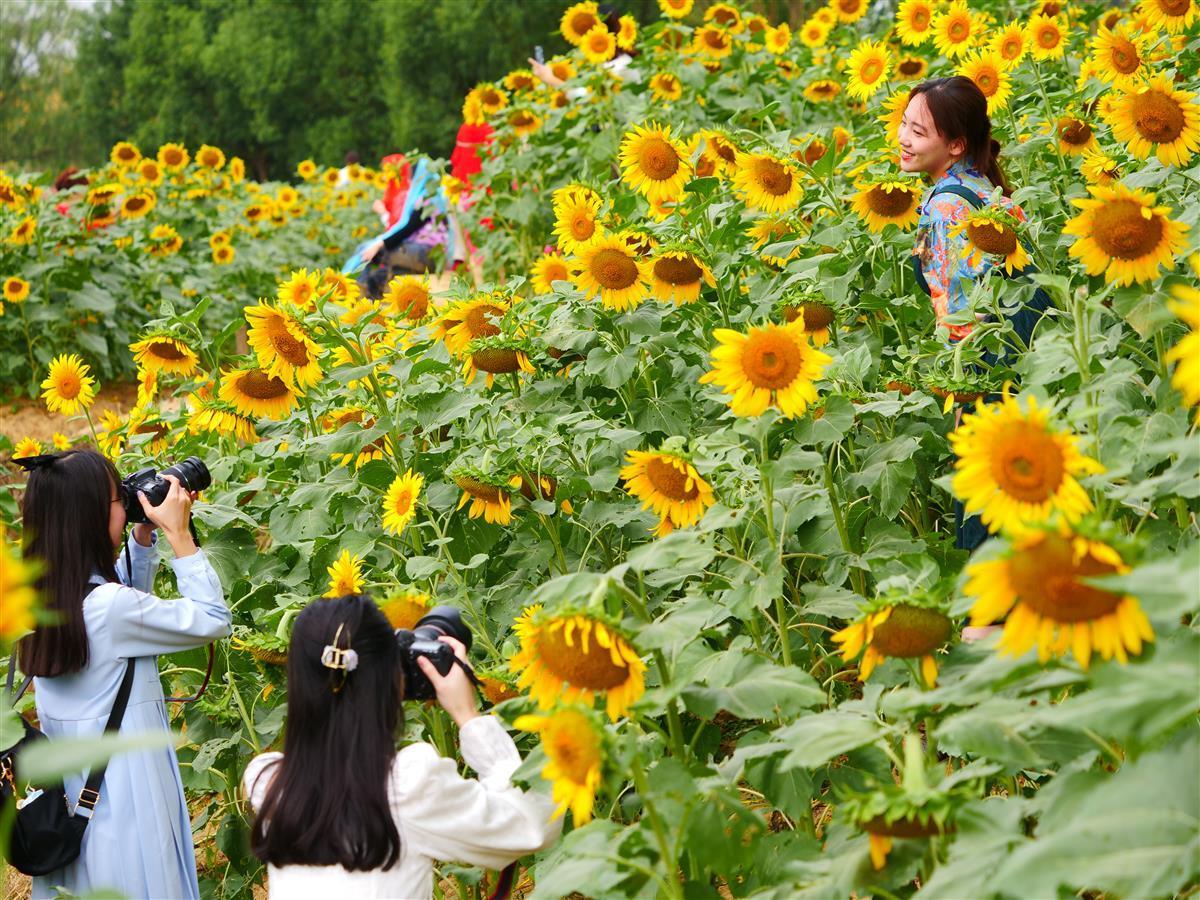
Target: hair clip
(334, 657)
(29, 463)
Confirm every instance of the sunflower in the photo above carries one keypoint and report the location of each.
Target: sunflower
(1010, 44)
(626, 32)
(61, 441)
(675, 9)
(1122, 234)
(400, 501)
(306, 169)
(283, 347)
(886, 202)
(1119, 56)
(17, 580)
(868, 66)
(767, 182)
(300, 289)
(345, 575)
(1047, 37)
(164, 241)
(653, 163)
(718, 155)
(498, 355)
(988, 72)
(894, 108)
(1099, 168)
(489, 496)
(724, 15)
(136, 205)
(677, 276)
(255, 394)
(578, 20)
(173, 157)
(520, 80)
(1186, 353)
(1157, 118)
(523, 122)
(955, 30)
(822, 91)
(16, 290)
(574, 754)
(666, 86)
(409, 296)
(547, 270)
(223, 255)
(774, 230)
(610, 268)
(914, 21)
(219, 418)
(712, 42)
(848, 10)
(125, 155)
(26, 447)
(468, 320)
(814, 33)
(68, 388)
(897, 630)
(405, 609)
(1042, 583)
(1015, 469)
(911, 68)
(237, 169)
(1173, 16)
(491, 98)
(771, 365)
(815, 314)
(23, 231)
(992, 232)
(150, 171)
(577, 222)
(573, 656)
(212, 158)
(777, 39)
(147, 385)
(668, 485)
(163, 353)
(599, 45)
(1075, 136)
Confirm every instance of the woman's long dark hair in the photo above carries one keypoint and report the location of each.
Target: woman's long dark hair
(65, 532)
(959, 111)
(327, 803)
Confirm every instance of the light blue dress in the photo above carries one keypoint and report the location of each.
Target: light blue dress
(139, 842)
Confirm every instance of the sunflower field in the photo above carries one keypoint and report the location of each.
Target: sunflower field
(686, 453)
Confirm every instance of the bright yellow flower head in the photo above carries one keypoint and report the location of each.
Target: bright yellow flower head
(575, 756)
(255, 394)
(609, 268)
(1122, 234)
(547, 270)
(68, 388)
(20, 598)
(653, 163)
(345, 575)
(400, 502)
(990, 75)
(283, 346)
(405, 609)
(914, 21)
(888, 202)
(163, 353)
(1047, 37)
(212, 158)
(771, 365)
(16, 290)
(767, 182)
(668, 485)
(578, 20)
(1154, 117)
(868, 68)
(301, 289)
(956, 30)
(676, 276)
(173, 157)
(26, 446)
(1186, 353)
(899, 631)
(125, 154)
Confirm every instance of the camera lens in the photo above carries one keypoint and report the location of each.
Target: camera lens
(192, 473)
(444, 620)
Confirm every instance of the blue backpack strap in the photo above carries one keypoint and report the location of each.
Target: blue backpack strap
(959, 190)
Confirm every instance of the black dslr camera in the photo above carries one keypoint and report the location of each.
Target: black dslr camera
(192, 474)
(422, 640)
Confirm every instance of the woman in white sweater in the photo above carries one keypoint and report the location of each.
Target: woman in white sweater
(341, 812)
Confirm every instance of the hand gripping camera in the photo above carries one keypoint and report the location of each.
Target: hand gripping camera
(422, 640)
(192, 474)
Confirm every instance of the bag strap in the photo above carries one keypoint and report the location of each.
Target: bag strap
(8, 682)
(90, 795)
(959, 190)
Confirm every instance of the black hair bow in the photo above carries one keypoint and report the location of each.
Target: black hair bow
(29, 463)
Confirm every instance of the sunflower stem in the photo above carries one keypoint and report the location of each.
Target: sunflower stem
(670, 881)
(88, 415)
(856, 575)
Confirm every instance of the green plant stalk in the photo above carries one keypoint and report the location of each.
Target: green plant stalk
(665, 674)
(856, 575)
(247, 722)
(675, 890)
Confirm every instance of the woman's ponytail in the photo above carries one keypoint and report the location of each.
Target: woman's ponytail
(991, 168)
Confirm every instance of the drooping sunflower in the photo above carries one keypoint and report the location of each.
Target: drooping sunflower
(822, 91)
(173, 157)
(767, 182)
(992, 232)
(16, 290)
(886, 202)
(345, 575)
(220, 418)
(160, 352)
(956, 29)
(676, 9)
(578, 20)
(300, 289)
(490, 496)
(1172, 16)
(654, 163)
(988, 72)
(68, 388)
(1042, 584)
(668, 485)
(212, 158)
(1122, 234)
(1015, 469)
(1010, 43)
(573, 655)
(1099, 168)
(813, 34)
(666, 86)
(599, 45)
(547, 270)
(1156, 118)
(907, 628)
(911, 68)
(409, 296)
(577, 221)
(283, 346)
(814, 313)
(914, 21)
(255, 394)
(1186, 353)
(868, 68)
(771, 365)
(609, 268)
(468, 320)
(677, 276)
(774, 230)
(400, 501)
(1075, 136)
(498, 355)
(1120, 56)
(574, 755)
(1047, 37)
(712, 42)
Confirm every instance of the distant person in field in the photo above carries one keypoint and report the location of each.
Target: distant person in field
(352, 159)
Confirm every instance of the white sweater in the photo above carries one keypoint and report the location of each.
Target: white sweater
(439, 814)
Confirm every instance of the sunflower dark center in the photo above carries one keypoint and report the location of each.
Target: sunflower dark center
(1157, 117)
(480, 490)
(715, 39)
(592, 669)
(1074, 131)
(773, 177)
(478, 323)
(1175, 7)
(1048, 579)
(911, 631)
(261, 386)
(1027, 464)
(669, 481)
(1124, 55)
(771, 360)
(658, 159)
(911, 66)
(674, 270)
(889, 201)
(496, 360)
(1122, 231)
(984, 236)
(583, 22)
(614, 270)
(165, 350)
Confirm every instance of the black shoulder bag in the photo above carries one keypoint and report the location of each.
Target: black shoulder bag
(46, 833)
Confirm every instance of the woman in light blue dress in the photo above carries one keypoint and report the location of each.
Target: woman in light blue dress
(139, 842)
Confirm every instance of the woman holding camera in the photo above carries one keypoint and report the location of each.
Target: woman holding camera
(341, 812)
(139, 839)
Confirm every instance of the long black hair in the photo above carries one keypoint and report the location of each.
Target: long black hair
(64, 531)
(959, 111)
(327, 803)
